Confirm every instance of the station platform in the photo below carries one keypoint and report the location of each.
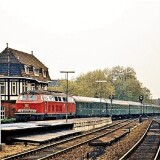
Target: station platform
(46, 137)
(11, 131)
(50, 129)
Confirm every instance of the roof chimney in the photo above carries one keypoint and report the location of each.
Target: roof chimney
(7, 45)
(32, 52)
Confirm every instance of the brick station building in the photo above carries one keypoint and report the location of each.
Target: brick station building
(19, 72)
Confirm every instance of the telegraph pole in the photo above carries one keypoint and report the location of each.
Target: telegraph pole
(101, 81)
(66, 72)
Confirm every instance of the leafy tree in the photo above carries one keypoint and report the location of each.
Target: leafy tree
(86, 85)
(125, 83)
(120, 81)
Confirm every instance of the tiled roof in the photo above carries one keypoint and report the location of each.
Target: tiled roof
(13, 65)
(27, 59)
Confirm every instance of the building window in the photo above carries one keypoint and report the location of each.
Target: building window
(27, 69)
(2, 112)
(36, 72)
(33, 86)
(24, 88)
(44, 74)
(31, 68)
(2, 85)
(13, 88)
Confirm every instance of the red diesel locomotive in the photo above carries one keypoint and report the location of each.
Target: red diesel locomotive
(40, 105)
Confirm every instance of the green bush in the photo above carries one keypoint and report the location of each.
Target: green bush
(6, 120)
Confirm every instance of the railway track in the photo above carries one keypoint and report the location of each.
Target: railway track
(148, 147)
(89, 151)
(53, 150)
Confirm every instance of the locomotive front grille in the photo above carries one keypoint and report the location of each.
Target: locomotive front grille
(26, 111)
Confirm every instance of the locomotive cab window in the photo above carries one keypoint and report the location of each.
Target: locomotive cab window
(22, 97)
(56, 98)
(45, 97)
(64, 99)
(59, 98)
(32, 97)
(53, 98)
(50, 98)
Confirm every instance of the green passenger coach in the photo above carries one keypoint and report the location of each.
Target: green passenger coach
(96, 107)
(90, 107)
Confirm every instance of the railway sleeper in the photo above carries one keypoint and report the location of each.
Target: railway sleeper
(107, 143)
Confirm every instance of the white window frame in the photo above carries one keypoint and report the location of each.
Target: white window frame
(14, 88)
(24, 86)
(2, 85)
(36, 72)
(2, 112)
(44, 73)
(26, 69)
(33, 86)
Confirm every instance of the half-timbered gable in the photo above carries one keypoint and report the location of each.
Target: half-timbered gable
(19, 72)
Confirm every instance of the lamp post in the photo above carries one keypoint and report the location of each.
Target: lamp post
(111, 97)
(101, 81)
(141, 97)
(2, 147)
(66, 72)
(0, 116)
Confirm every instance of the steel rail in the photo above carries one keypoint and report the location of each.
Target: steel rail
(138, 144)
(158, 151)
(32, 152)
(25, 153)
(157, 154)
(80, 144)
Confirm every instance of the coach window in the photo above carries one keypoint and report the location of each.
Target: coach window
(80, 106)
(2, 87)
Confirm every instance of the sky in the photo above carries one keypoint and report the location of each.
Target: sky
(85, 35)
